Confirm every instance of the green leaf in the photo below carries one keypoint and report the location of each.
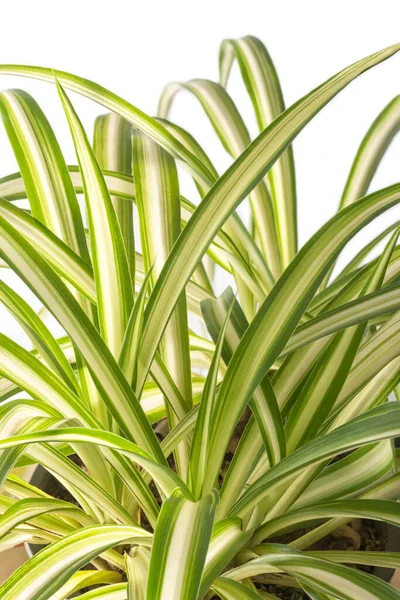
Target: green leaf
(380, 510)
(263, 403)
(49, 569)
(157, 197)
(377, 424)
(158, 202)
(180, 546)
(227, 539)
(230, 189)
(349, 475)
(201, 435)
(46, 177)
(248, 456)
(280, 313)
(84, 579)
(386, 489)
(118, 105)
(115, 390)
(363, 253)
(233, 590)
(25, 510)
(380, 303)
(234, 136)
(137, 570)
(130, 345)
(376, 352)
(111, 272)
(323, 386)
(390, 560)
(263, 86)
(21, 367)
(370, 153)
(109, 592)
(323, 576)
(165, 477)
(63, 260)
(376, 391)
(112, 146)
(41, 337)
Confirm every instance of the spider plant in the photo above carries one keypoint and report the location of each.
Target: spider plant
(207, 426)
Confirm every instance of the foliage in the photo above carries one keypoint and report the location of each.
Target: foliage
(207, 426)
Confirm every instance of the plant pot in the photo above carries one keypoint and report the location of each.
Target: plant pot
(47, 483)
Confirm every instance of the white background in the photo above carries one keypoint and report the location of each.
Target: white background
(134, 48)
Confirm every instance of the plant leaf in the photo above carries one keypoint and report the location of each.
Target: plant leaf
(111, 271)
(46, 177)
(112, 147)
(279, 315)
(51, 568)
(375, 425)
(380, 510)
(233, 134)
(116, 392)
(326, 577)
(180, 546)
(374, 145)
(231, 188)
(263, 86)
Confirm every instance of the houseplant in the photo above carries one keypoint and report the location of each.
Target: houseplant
(200, 510)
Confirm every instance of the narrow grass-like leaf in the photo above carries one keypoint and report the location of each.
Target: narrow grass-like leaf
(63, 260)
(40, 335)
(263, 86)
(230, 189)
(116, 104)
(25, 510)
(111, 271)
(51, 568)
(130, 345)
(376, 352)
(381, 510)
(389, 560)
(370, 153)
(350, 475)
(157, 197)
(137, 570)
(343, 583)
(201, 435)
(379, 303)
(46, 177)
(263, 402)
(227, 539)
(112, 146)
(158, 202)
(234, 136)
(84, 579)
(386, 489)
(234, 590)
(281, 312)
(180, 546)
(166, 478)
(357, 260)
(49, 288)
(328, 377)
(377, 424)
(109, 592)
